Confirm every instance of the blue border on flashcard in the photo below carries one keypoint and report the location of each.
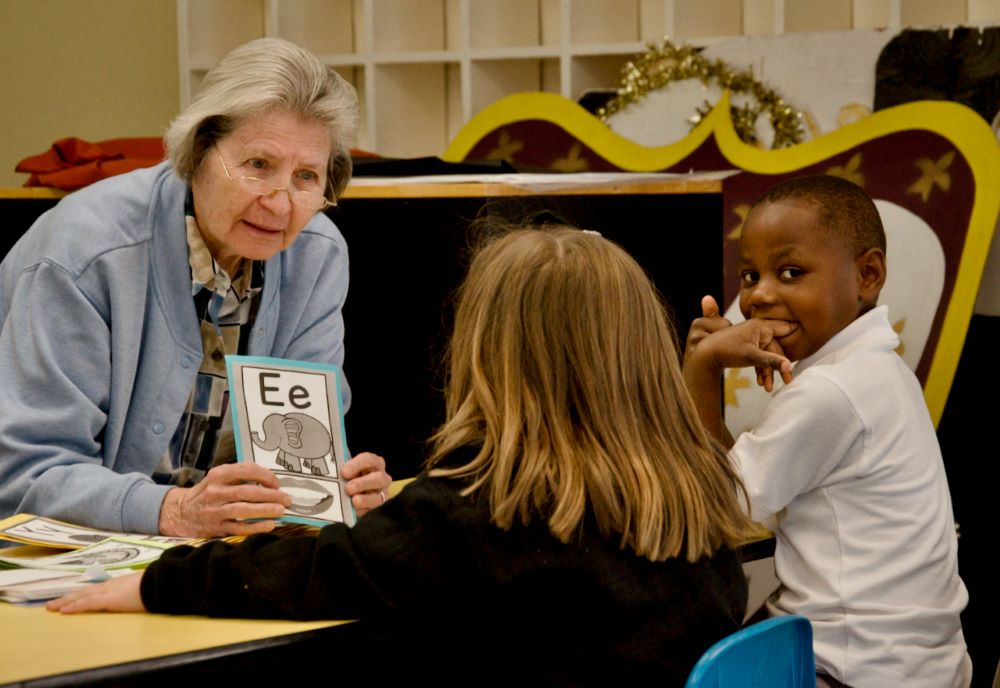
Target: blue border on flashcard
(266, 361)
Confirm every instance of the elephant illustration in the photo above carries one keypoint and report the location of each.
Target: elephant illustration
(302, 442)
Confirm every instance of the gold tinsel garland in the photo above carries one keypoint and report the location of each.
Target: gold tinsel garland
(665, 63)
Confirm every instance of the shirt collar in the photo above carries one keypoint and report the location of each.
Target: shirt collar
(870, 330)
(205, 271)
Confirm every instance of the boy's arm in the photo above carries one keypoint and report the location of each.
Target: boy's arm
(715, 344)
(701, 376)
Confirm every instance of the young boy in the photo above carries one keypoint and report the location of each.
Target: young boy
(844, 455)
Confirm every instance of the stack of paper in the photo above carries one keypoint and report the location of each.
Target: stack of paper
(28, 529)
(37, 585)
(30, 574)
(87, 556)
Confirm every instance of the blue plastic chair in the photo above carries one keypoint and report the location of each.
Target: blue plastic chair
(774, 653)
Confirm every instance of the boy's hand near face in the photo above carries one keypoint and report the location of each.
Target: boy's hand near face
(711, 321)
(715, 344)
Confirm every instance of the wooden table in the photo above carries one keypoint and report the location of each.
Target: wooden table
(410, 241)
(39, 647)
(42, 648)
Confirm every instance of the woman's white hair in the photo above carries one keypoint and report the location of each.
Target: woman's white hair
(262, 76)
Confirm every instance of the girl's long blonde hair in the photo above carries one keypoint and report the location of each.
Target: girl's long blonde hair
(563, 370)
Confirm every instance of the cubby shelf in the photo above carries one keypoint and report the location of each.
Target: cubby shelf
(424, 67)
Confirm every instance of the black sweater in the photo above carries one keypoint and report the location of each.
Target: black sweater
(457, 594)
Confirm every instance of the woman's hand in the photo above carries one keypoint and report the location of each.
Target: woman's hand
(368, 483)
(119, 594)
(223, 501)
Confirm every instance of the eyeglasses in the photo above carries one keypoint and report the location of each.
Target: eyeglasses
(304, 199)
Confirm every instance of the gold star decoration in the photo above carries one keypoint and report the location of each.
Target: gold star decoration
(572, 162)
(735, 381)
(932, 174)
(898, 328)
(849, 171)
(742, 210)
(505, 149)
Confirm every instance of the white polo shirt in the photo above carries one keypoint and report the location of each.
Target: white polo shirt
(847, 460)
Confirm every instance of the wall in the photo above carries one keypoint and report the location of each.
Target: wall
(95, 69)
(704, 18)
(108, 68)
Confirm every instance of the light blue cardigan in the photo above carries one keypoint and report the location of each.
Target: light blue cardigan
(101, 344)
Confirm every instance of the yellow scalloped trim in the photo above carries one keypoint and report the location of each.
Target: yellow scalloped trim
(960, 125)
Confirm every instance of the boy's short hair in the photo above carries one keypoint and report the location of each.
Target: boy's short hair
(843, 208)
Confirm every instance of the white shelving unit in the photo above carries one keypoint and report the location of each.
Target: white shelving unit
(423, 68)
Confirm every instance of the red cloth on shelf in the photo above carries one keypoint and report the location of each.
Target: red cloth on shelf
(72, 163)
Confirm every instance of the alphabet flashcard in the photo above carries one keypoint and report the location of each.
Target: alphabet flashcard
(288, 416)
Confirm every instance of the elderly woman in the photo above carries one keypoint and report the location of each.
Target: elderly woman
(120, 303)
